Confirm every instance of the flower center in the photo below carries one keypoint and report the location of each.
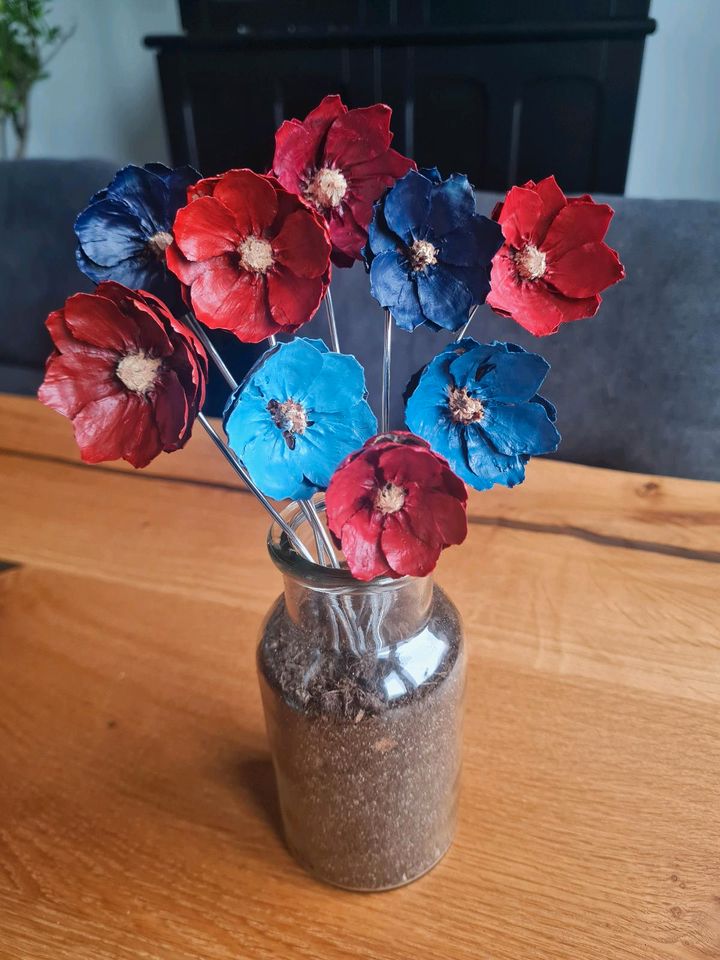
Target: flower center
(464, 408)
(530, 262)
(327, 188)
(390, 498)
(290, 417)
(256, 254)
(422, 254)
(138, 371)
(159, 242)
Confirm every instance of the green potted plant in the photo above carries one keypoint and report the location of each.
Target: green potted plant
(27, 44)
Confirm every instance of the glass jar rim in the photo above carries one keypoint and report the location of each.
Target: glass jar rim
(291, 563)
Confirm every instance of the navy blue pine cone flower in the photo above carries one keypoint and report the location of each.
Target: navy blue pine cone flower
(297, 414)
(429, 253)
(124, 232)
(477, 405)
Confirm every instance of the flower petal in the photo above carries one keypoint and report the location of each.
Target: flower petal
(302, 245)
(360, 542)
(358, 135)
(407, 206)
(206, 228)
(288, 371)
(443, 297)
(585, 271)
(109, 231)
(146, 194)
(250, 197)
(519, 216)
(117, 427)
(506, 377)
(293, 300)
(406, 553)
(98, 321)
(394, 288)
(452, 204)
(553, 201)
(347, 236)
(230, 299)
(380, 238)
(171, 412)
(531, 304)
(476, 241)
(487, 465)
(75, 379)
(575, 225)
(522, 428)
(449, 516)
(338, 386)
(350, 489)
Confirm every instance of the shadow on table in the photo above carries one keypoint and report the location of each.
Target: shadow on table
(257, 778)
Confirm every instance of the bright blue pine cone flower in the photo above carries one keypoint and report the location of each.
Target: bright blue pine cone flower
(124, 232)
(477, 405)
(429, 252)
(296, 415)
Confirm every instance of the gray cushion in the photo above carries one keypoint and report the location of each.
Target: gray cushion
(637, 385)
(39, 200)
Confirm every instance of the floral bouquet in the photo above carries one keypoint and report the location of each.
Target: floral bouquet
(174, 254)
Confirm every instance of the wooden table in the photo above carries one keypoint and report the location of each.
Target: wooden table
(137, 809)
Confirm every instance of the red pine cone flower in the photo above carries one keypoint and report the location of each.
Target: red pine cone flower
(393, 506)
(553, 263)
(127, 373)
(340, 160)
(255, 257)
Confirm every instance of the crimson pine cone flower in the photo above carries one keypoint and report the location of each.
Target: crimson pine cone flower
(129, 376)
(256, 258)
(340, 161)
(553, 263)
(393, 506)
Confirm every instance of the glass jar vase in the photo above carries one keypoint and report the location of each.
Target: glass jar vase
(362, 686)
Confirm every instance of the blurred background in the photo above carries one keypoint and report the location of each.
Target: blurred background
(615, 97)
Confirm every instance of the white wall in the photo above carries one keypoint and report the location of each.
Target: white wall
(676, 142)
(103, 95)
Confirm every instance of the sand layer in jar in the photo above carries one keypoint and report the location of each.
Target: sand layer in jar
(366, 748)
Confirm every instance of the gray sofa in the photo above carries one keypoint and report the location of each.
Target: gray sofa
(636, 386)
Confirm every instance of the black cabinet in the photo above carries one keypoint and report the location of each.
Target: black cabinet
(505, 90)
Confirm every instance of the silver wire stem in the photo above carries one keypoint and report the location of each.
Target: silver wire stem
(387, 352)
(332, 327)
(469, 321)
(202, 335)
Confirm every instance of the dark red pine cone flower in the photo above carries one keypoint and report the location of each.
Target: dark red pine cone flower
(127, 373)
(256, 258)
(340, 160)
(553, 263)
(393, 506)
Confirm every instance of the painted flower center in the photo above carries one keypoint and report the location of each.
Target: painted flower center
(327, 188)
(138, 371)
(464, 408)
(531, 262)
(256, 254)
(159, 242)
(290, 417)
(390, 498)
(422, 254)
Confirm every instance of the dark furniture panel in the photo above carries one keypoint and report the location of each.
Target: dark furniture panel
(504, 91)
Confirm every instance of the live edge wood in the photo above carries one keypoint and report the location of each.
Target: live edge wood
(137, 807)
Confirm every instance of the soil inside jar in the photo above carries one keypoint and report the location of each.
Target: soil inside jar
(366, 747)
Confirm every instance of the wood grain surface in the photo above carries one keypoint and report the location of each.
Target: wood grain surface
(137, 810)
